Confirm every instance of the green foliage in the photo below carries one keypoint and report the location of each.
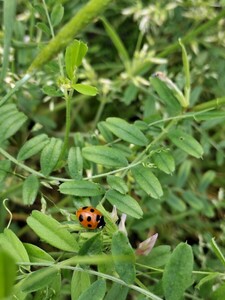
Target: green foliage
(7, 274)
(120, 108)
(178, 272)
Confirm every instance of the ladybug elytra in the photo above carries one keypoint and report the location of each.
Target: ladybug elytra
(89, 217)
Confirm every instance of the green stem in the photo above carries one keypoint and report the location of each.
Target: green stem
(99, 113)
(99, 274)
(88, 13)
(68, 124)
(53, 35)
(212, 104)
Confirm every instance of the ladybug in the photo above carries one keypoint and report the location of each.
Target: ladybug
(89, 217)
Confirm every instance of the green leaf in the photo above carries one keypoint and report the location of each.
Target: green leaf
(127, 132)
(208, 278)
(37, 255)
(105, 132)
(121, 248)
(186, 142)
(50, 156)
(125, 203)
(81, 188)
(166, 95)
(5, 167)
(186, 66)
(117, 183)
(10, 243)
(219, 293)
(124, 56)
(130, 94)
(158, 257)
(32, 146)
(51, 91)
(175, 202)
(85, 89)
(177, 275)
(39, 279)
(30, 189)
(79, 283)
(75, 163)
(206, 180)
(92, 246)
(217, 251)
(117, 291)
(43, 27)
(52, 232)
(75, 52)
(183, 173)
(9, 12)
(105, 156)
(57, 14)
(11, 121)
(147, 181)
(95, 291)
(193, 200)
(7, 274)
(164, 161)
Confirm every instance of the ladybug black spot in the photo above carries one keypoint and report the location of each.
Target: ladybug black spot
(92, 210)
(88, 218)
(84, 207)
(89, 225)
(101, 223)
(81, 218)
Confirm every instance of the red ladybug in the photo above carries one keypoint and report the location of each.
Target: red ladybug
(90, 217)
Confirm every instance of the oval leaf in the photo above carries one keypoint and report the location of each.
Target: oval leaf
(85, 89)
(125, 203)
(11, 121)
(52, 232)
(30, 189)
(79, 283)
(186, 142)
(57, 14)
(105, 156)
(75, 163)
(127, 132)
(166, 95)
(10, 243)
(95, 291)
(117, 184)
(122, 248)
(50, 156)
(75, 52)
(81, 188)
(164, 161)
(39, 279)
(177, 273)
(37, 255)
(147, 181)
(32, 147)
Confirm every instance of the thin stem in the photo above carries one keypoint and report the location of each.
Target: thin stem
(99, 274)
(53, 35)
(68, 124)
(99, 113)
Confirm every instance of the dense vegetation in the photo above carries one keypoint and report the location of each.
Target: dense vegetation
(117, 105)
